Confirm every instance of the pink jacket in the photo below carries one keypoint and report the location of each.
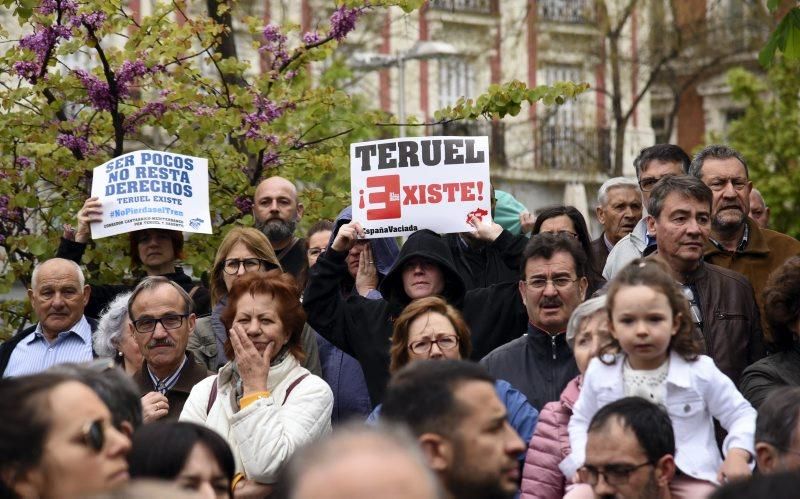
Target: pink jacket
(541, 478)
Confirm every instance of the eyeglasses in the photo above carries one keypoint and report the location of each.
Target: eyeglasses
(717, 184)
(614, 474)
(93, 435)
(148, 324)
(648, 183)
(558, 282)
(563, 233)
(422, 347)
(231, 266)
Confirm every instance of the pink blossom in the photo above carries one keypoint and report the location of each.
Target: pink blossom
(92, 21)
(244, 203)
(154, 109)
(23, 162)
(99, 94)
(26, 69)
(271, 159)
(73, 142)
(274, 43)
(311, 37)
(343, 21)
(47, 7)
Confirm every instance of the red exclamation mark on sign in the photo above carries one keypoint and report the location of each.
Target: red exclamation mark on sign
(480, 191)
(361, 199)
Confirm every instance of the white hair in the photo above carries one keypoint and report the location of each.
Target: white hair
(602, 193)
(112, 326)
(75, 267)
(580, 314)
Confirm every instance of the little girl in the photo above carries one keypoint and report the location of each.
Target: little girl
(650, 323)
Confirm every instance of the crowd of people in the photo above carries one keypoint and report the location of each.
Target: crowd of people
(659, 360)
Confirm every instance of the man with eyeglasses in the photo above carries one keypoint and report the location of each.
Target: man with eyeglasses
(630, 451)
(161, 322)
(721, 301)
(552, 285)
(652, 164)
(58, 295)
(737, 242)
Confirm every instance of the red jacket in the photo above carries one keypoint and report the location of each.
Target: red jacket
(541, 478)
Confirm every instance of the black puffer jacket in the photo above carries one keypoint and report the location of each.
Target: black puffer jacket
(360, 327)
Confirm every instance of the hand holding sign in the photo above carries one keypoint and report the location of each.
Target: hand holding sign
(347, 236)
(485, 228)
(92, 211)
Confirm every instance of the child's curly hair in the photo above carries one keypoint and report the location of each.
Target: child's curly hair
(654, 274)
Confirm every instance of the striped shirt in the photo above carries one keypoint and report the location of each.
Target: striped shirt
(166, 384)
(35, 353)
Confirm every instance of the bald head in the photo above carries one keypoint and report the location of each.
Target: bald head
(60, 264)
(360, 462)
(276, 210)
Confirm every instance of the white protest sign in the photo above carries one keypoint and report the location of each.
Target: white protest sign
(152, 190)
(402, 185)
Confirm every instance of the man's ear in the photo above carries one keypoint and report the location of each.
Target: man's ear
(87, 293)
(300, 210)
(767, 457)
(600, 214)
(665, 470)
(438, 451)
(651, 226)
(192, 321)
(522, 287)
(583, 285)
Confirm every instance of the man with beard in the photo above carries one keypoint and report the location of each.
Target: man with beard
(721, 301)
(630, 451)
(737, 242)
(619, 209)
(553, 283)
(453, 411)
(161, 322)
(276, 212)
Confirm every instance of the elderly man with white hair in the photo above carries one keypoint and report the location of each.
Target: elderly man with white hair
(58, 295)
(619, 209)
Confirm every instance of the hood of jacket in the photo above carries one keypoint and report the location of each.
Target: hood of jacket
(384, 249)
(431, 246)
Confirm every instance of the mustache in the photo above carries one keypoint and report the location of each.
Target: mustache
(550, 301)
(166, 342)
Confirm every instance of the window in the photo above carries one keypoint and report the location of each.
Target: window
(456, 79)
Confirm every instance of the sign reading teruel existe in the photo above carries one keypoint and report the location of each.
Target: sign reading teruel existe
(399, 186)
(152, 190)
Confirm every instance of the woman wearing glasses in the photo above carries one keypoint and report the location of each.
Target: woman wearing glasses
(57, 440)
(244, 250)
(430, 328)
(263, 401)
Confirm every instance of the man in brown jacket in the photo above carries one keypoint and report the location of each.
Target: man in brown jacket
(722, 305)
(736, 241)
(161, 322)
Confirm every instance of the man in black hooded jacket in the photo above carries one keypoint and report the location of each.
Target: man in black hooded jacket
(363, 328)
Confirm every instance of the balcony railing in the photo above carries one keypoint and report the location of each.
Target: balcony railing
(566, 11)
(471, 6)
(578, 149)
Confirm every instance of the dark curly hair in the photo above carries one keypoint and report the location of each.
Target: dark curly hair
(781, 297)
(654, 274)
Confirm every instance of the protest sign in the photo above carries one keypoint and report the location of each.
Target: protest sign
(402, 185)
(152, 190)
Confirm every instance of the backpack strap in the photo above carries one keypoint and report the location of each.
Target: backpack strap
(193, 291)
(292, 387)
(212, 396)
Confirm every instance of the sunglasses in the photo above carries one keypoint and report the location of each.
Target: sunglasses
(93, 435)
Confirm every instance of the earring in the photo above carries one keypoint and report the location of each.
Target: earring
(119, 354)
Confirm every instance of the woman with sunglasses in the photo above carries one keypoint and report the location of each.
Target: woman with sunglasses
(244, 250)
(57, 440)
(196, 458)
(430, 328)
(263, 401)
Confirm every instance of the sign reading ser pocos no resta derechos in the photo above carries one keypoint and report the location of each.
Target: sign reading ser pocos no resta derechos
(152, 190)
(399, 186)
